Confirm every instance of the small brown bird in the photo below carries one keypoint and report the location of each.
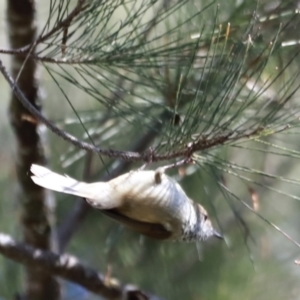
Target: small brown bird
(148, 202)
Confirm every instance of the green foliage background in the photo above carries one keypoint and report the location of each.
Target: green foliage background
(256, 266)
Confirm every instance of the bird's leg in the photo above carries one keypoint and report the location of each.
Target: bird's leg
(159, 171)
(176, 164)
(142, 167)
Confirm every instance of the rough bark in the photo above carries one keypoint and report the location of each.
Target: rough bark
(35, 206)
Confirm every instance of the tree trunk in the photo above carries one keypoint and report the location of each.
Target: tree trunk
(35, 203)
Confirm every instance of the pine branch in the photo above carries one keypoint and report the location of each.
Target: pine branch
(126, 155)
(201, 143)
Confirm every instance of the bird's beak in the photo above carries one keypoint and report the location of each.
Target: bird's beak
(218, 235)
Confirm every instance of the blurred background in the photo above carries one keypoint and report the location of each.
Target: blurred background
(162, 74)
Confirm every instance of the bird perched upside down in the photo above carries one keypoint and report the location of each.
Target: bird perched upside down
(148, 202)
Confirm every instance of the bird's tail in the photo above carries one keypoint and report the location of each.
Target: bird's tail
(59, 183)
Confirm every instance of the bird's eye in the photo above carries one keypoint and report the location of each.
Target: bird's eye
(205, 217)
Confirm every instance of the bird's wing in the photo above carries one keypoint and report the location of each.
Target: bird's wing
(152, 230)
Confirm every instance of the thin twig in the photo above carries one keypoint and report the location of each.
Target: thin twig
(70, 268)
